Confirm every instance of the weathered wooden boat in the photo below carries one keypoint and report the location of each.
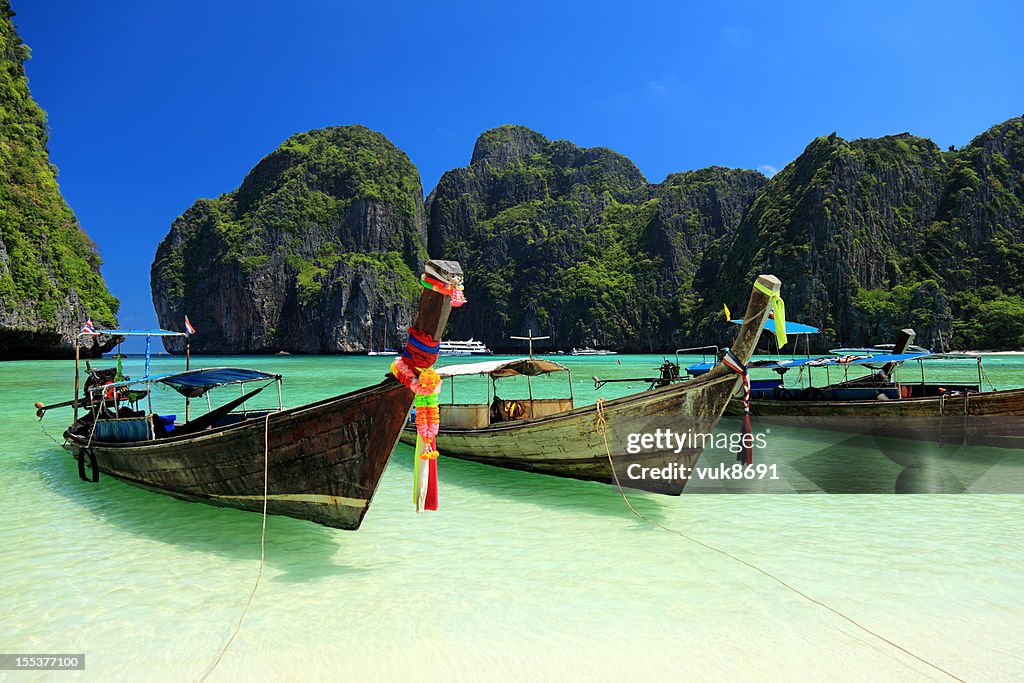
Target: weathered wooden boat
(883, 402)
(551, 436)
(320, 462)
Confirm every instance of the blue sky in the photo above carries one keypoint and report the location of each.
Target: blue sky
(154, 105)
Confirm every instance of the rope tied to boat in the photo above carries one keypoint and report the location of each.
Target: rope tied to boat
(600, 424)
(263, 547)
(601, 427)
(731, 361)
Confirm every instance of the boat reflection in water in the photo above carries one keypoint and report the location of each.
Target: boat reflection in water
(820, 461)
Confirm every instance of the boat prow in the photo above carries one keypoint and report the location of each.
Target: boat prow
(320, 462)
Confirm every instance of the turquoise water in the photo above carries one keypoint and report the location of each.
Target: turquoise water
(517, 576)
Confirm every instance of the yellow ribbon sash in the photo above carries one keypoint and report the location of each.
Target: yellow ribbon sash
(778, 310)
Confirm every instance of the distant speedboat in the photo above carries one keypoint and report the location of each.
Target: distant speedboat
(463, 348)
(587, 351)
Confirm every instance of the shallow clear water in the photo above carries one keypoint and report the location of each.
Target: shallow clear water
(517, 576)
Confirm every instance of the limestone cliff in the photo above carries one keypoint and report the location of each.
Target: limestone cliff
(317, 251)
(575, 243)
(50, 280)
(877, 234)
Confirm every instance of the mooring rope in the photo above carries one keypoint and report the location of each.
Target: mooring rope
(601, 425)
(50, 436)
(263, 538)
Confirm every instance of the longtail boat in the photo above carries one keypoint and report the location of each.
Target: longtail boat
(880, 401)
(321, 462)
(605, 441)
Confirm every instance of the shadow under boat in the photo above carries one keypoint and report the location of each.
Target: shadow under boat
(300, 550)
(555, 493)
(832, 461)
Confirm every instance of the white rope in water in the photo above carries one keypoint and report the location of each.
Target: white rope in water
(601, 426)
(263, 538)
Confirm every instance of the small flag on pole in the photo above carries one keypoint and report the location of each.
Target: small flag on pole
(188, 326)
(725, 309)
(88, 328)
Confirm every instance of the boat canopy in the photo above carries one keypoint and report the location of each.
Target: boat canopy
(875, 350)
(194, 383)
(879, 359)
(530, 367)
(791, 327)
(135, 333)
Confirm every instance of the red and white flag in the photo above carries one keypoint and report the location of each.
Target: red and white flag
(88, 328)
(188, 326)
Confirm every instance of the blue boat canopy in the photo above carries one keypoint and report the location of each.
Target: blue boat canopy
(791, 327)
(880, 359)
(194, 383)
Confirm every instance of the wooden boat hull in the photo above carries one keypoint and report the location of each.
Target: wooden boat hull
(319, 462)
(573, 444)
(324, 459)
(992, 418)
(570, 444)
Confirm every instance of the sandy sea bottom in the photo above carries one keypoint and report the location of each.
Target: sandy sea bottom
(518, 576)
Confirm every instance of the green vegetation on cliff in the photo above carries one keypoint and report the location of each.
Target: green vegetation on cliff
(325, 236)
(575, 243)
(318, 250)
(49, 268)
(873, 235)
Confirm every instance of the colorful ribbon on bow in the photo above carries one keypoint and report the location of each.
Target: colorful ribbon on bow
(427, 387)
(455, 291)
(414, 370)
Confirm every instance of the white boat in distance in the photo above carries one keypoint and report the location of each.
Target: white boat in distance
(463, 348)
(593, 352)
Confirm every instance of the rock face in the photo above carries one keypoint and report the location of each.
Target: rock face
(50, 280)
(318, 251)
(874, 235)
(574, 243)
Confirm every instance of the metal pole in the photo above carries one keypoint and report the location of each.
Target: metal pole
(76, 378)
(280, 399)
(188, 358)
